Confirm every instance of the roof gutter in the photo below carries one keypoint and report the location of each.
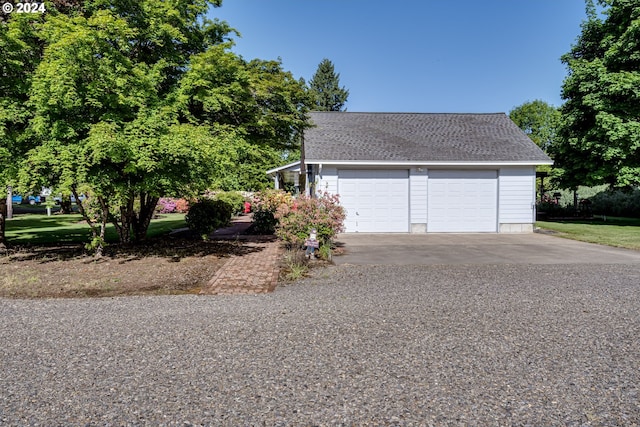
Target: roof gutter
(429, 163)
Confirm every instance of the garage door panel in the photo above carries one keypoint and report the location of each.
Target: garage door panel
(375, 201)
(462, 201)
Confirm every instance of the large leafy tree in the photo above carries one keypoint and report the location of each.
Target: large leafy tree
(259, 106)
(539, 120)
(20, 52)
(134, 100)
(325, 88)
(599, 136)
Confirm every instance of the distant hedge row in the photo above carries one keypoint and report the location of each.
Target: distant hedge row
(600, 201)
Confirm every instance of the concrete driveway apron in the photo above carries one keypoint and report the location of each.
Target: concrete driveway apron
(427, 249)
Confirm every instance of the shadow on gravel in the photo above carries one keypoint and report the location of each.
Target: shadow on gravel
(173, 248)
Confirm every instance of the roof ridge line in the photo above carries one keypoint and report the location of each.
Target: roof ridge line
(401, 112)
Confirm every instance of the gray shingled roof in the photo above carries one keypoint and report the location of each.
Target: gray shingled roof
(398, 137)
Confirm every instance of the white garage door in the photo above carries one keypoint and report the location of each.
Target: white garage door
(376, 201)
(462, 201)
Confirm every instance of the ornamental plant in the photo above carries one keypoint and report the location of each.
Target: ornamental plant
(172, 205)
(296, 220)
(182, 206)
(208, 215)
(166, 205)
(264, 205)
(271, 200)
(232, 198)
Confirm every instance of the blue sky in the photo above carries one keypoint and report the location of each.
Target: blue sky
(417, 55)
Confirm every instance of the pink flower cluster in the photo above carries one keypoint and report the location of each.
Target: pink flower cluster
(322, 213)
(172, 205)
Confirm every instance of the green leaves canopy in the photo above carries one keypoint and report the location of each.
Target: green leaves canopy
(144, 99)
(600, 130)
(538, 120)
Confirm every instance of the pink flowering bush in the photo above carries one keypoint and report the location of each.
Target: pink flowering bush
(296, 219)
(264, 206)
(271, 200)
(172, 205)
(182, 206)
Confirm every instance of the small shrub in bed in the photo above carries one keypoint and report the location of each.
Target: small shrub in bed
(208, 215)
(233, 198)
(264, 222)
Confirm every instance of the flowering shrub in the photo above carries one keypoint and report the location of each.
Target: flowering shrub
(166, 205)
(296, 220)
(271, 200)
(182, 206)
(264, 205)
(171, 205)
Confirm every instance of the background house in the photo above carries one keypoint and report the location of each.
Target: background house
(419, 173)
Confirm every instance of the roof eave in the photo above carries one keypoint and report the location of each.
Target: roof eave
(430, 163)
(291, 167)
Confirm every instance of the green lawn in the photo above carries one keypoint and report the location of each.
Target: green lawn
(42, 229)
(620, 232)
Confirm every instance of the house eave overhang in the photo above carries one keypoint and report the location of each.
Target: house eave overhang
(295, 166)
(428, 163)
(291, 167)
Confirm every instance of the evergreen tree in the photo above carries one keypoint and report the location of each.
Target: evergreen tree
(325, 88)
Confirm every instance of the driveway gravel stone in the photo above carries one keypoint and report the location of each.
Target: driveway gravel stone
(462, 345)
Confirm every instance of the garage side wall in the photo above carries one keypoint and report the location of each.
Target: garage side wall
(326, 180)
(516, 199)
(515, 204)
(418, 180)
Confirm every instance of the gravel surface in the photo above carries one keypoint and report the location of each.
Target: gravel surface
(372, 345)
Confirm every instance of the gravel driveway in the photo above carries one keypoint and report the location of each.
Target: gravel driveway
(356, 345)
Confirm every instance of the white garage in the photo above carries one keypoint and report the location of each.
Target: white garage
(462, 201)
(375, 200)
(423, 173)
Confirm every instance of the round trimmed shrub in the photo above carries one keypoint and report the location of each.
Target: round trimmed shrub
(208, 215)
(233, 198)
(264, 222)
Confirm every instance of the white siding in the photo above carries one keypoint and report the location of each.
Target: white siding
(327, 180)
(517, 195)
(418, 196)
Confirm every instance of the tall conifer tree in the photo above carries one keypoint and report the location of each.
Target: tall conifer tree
(325, 88)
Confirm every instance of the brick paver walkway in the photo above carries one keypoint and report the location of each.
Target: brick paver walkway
(254, 272)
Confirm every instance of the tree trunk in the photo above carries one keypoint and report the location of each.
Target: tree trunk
(141, 222)
(3, 220)
(9, 214)
(65, 203)
(104, 218)
(127, 215)
(96, 236)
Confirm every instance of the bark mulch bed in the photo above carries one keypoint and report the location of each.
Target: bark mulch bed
(166, 265)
